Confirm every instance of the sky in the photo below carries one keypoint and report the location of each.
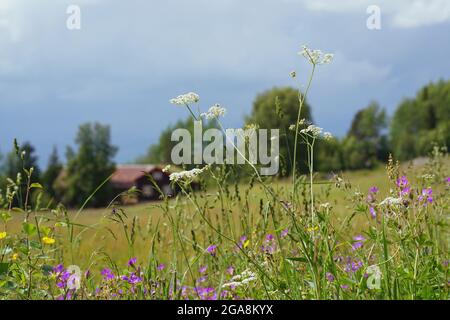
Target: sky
(130, 57)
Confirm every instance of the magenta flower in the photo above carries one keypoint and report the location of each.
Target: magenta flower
(230, 270)
(212, 250)
(161, 267)
(107, 274)
(427, 194)
(132, 262)
(330, 277)
(132, 278)
(403, 184)
(373, 189)
(202, 269)
(284, 233)
(373, 213)
(359, 241)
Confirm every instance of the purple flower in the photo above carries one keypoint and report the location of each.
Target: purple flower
(403, 184)
(373, 213)
(269, 237)
(448, 180)
(284, 233)
(58, 269)
(427, 194)
(353, 266)
(202, 269)
(202, 279)
(132, 262)
(132, 278)
(344, 286)
(206, 293)
(107, 274)
(330, 277)
(359, 242)
(230, 270)
(212, 250)
(373, 189)
(161, 267)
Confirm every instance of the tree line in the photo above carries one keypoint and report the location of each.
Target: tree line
(417, 125)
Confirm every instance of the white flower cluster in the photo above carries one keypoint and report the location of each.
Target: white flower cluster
(241, 279)
(214, 112)
(187, 175)
(188, 98)
(316, 56)
(391, 201)
(166, 168)
(316, 131)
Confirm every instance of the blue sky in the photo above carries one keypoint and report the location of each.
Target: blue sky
(131, 57)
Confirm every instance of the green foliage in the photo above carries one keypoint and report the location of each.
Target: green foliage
(89, 167)
(277, 108)
(52, 172)
(365, 142)
(160, 152)
(420, 123)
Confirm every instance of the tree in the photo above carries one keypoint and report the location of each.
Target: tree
(160, 152)
(52, 172)
(420, 123)
(365, 142)
(278, 109)
(90, 166)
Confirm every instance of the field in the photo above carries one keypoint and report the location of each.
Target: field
(236, 241)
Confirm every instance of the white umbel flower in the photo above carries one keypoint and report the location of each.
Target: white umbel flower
(214, 112)
(184, 99)
(316, 56)
(186, 175)
(313, 130)
(391, 201)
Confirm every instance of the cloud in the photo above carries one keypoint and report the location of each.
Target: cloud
(401, 13)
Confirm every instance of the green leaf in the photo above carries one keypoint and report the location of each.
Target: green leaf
(29, 228)
(36, 186)
(4, 267)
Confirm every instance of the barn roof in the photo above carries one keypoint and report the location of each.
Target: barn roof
(126, 176)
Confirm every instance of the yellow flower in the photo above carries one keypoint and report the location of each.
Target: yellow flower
(15, 256)
(311, 229)
(47, 240)
(246, 243)
(2, 235)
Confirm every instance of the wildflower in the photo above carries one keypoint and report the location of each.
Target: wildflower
(214, 112)
(15, 256)
(315, 131)
(132, 278)
(187, 175)
(315, 56)
(391, 201)
(373, 213)
(311, 229)
(212, 250)
(241, 279)
(48, 240)
(427, 194)
(202, 269)
(373, 189)
(359, 242)
(3, 235)
(344, 287)
(353, 266)
(132, 262)
(403, 184)
(330, 277)
(269, 244)
(448, 180)
(327, 136)
(230, 270)
(161, 267)
(206, 293)
(284, 233)
(325, 205)
(166, 168)
(107, 274)
(188, 98)
(243, 242)
(292, 127)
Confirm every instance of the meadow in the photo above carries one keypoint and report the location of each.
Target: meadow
(374, 234)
